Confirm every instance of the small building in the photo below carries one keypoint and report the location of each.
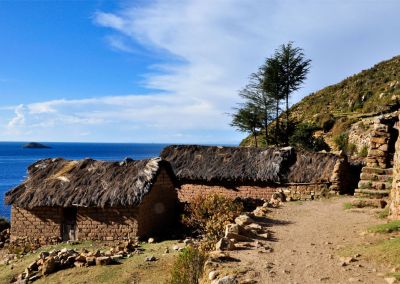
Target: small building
(96, 200)
(256, 172)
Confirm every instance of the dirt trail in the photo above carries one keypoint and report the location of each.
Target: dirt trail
(306, 239)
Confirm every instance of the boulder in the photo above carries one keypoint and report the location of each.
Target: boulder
(103, 260)
(226, 280)
(225, 244)
(243, 220)
(49, 266)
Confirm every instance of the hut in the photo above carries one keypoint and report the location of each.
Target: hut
(96, 200)
(255, 172)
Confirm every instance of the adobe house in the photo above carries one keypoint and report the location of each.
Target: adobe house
(256, 172)
(96, 200)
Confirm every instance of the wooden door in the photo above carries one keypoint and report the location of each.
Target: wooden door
(69, 230)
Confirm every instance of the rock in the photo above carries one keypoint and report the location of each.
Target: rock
(103, 260)
(226, 280)
(151, 240)
(49, 266)
(212, 275)
(348, 260)
(188, 242)
(166, 250)
(79, 264)
(117, 257)
(260, 211)
(176, 248)
(33, 266)
(90, 260)
(150, 258)
(80, 258)
(225, 244)
(390, 280)
(44, 254)
(243, 220)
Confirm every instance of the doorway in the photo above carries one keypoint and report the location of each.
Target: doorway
(69, 230)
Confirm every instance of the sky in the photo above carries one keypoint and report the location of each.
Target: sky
(168, 71)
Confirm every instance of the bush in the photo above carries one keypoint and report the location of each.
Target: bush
(326, 121)
(188, 267)
(208, 215)
(342, 142)
(363, 152)
(303, 137)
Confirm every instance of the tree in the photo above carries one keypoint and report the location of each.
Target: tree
(294, 68)
(254, 94)
(272, 86)
(248, 118)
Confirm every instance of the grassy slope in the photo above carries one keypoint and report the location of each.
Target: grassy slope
(370, 91)
(131, 270)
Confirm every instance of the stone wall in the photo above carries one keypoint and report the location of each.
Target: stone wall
(188, 191)
(394, 209)
(42, 223)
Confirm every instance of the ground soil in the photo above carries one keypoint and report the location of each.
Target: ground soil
(307, 240)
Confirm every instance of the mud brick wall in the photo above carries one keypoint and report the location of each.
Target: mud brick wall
(106, 223)
(158, 211)
(188, 191)
(152, 216)
(41, 222)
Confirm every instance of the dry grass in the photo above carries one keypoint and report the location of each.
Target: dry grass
(131, 270)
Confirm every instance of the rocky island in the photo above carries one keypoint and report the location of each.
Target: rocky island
(35, 145)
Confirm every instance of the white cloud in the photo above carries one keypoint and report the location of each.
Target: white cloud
(19, 118)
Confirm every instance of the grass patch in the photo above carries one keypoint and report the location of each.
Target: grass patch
(296, 202)
(384, 213)
(390, 227)
(384, 251)
(131, 270)
(347, 205)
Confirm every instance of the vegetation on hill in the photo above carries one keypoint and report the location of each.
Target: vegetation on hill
(335, 108)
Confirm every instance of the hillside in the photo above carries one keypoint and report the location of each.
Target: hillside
(369, 92)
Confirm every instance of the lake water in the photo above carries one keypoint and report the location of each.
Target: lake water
(14, 159)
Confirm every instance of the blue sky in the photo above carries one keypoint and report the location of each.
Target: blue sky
(167, 71)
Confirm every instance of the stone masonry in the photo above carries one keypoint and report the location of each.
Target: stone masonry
(376, 176)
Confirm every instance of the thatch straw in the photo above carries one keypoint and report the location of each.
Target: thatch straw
(193, 163)
(88, 183)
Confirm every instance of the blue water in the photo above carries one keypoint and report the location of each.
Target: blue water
(14, 159)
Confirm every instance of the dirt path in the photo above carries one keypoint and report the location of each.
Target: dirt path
(306, 240)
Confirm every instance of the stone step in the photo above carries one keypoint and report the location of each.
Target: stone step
(376, 177)
(379, 171)
(368, 193)
(378, 185)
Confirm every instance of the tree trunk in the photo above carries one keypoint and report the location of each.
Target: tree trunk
(266, 128)
(287, 120)
(255, 138)
(277, 122)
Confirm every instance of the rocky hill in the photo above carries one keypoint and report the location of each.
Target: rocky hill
(365, 94)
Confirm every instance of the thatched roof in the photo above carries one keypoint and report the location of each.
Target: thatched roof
(245, 164)
(88, 183)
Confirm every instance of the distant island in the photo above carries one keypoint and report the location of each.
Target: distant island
(35, 145)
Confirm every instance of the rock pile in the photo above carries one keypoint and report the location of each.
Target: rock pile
(245, 229)
(55, 260)
(4, 238)
(24, 245)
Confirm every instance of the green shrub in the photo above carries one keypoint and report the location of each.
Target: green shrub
(303, 137)
(342, 143)
(363, 152)
(208, 215)
(188, 267)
